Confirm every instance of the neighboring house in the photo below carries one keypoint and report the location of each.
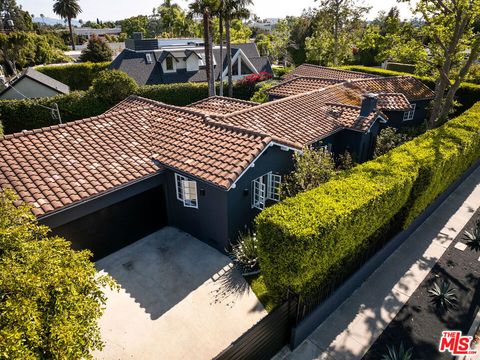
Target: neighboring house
(88, 32)
(32, 84)
(154, 61)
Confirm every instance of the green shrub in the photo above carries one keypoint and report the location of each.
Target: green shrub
(182, 94)
(316, 239)
(52, 295)
(260, 96)
(18, 115)
(97, 51)
(278, 72)
(405, 68)
(77, 76)
(112, 86)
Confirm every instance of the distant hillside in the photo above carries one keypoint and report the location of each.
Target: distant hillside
(51, 21)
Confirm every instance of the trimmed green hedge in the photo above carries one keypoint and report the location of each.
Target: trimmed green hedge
(406, 68)
(18, 115)
(77, 76)
(467, 95)
(316, 239)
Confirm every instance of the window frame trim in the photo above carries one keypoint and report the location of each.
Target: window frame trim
(180, 190)
(410, 114)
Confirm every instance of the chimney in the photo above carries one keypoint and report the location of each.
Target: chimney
(137, 36)
(369, 104)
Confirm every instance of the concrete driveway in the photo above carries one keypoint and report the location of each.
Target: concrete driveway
(179, 299)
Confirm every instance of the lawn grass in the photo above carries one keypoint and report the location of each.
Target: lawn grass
(257, 284)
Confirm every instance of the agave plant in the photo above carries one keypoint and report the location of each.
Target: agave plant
(400, 353)
(443, 296)
(245, 253)
(473, 237)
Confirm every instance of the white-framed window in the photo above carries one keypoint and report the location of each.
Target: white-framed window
(186, 191)
(258, 193)
(409, 115)
(266, 187)
(273, 188)
(327, 147)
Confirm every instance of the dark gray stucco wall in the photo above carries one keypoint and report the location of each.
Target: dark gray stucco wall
(395, 118)
(240, 211)
(360, 145)
(207, 223)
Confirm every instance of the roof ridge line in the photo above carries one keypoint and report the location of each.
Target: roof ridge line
(335, 69)
(212, 121)
(241, 101)
(277, 101)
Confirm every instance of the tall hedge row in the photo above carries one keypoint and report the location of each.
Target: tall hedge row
(18, 115)
(467, 95)
(77, 76)
(315, 239)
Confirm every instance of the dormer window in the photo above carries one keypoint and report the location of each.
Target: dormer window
(169, 64)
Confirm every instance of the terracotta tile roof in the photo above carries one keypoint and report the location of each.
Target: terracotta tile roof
(55, 167)
(299, 85)
(300, 119)
(309, 70)
(58, 166)
(393, 102)
(221, 105)
(349, 116)
(411, 87)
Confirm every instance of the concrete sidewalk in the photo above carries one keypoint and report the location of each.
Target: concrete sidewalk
(349, 332)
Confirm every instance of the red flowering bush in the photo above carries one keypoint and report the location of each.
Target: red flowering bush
(255, 78)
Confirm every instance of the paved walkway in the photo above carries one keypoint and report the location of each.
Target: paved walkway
(179, 299)
(349, 332)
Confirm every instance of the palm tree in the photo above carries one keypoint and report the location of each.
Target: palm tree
(67, 9)
(207, 8)
(233, 9)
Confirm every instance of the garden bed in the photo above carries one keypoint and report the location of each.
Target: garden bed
(419, 324)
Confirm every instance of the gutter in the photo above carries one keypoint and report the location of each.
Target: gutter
(96, 197)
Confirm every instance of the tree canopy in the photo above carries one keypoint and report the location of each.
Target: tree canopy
(51, 295)
(97, 50)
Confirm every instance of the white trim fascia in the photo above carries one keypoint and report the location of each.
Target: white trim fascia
(244, 57)
(252, 163)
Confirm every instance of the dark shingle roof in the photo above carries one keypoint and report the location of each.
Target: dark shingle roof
(41, 78)
(135, 65)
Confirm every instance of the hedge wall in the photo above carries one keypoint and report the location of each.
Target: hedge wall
(77, 76)
(315, 240)
(467, 95)
(182, 94)
(18, 115)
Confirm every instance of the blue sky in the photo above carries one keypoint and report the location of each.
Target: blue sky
(119, 9)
